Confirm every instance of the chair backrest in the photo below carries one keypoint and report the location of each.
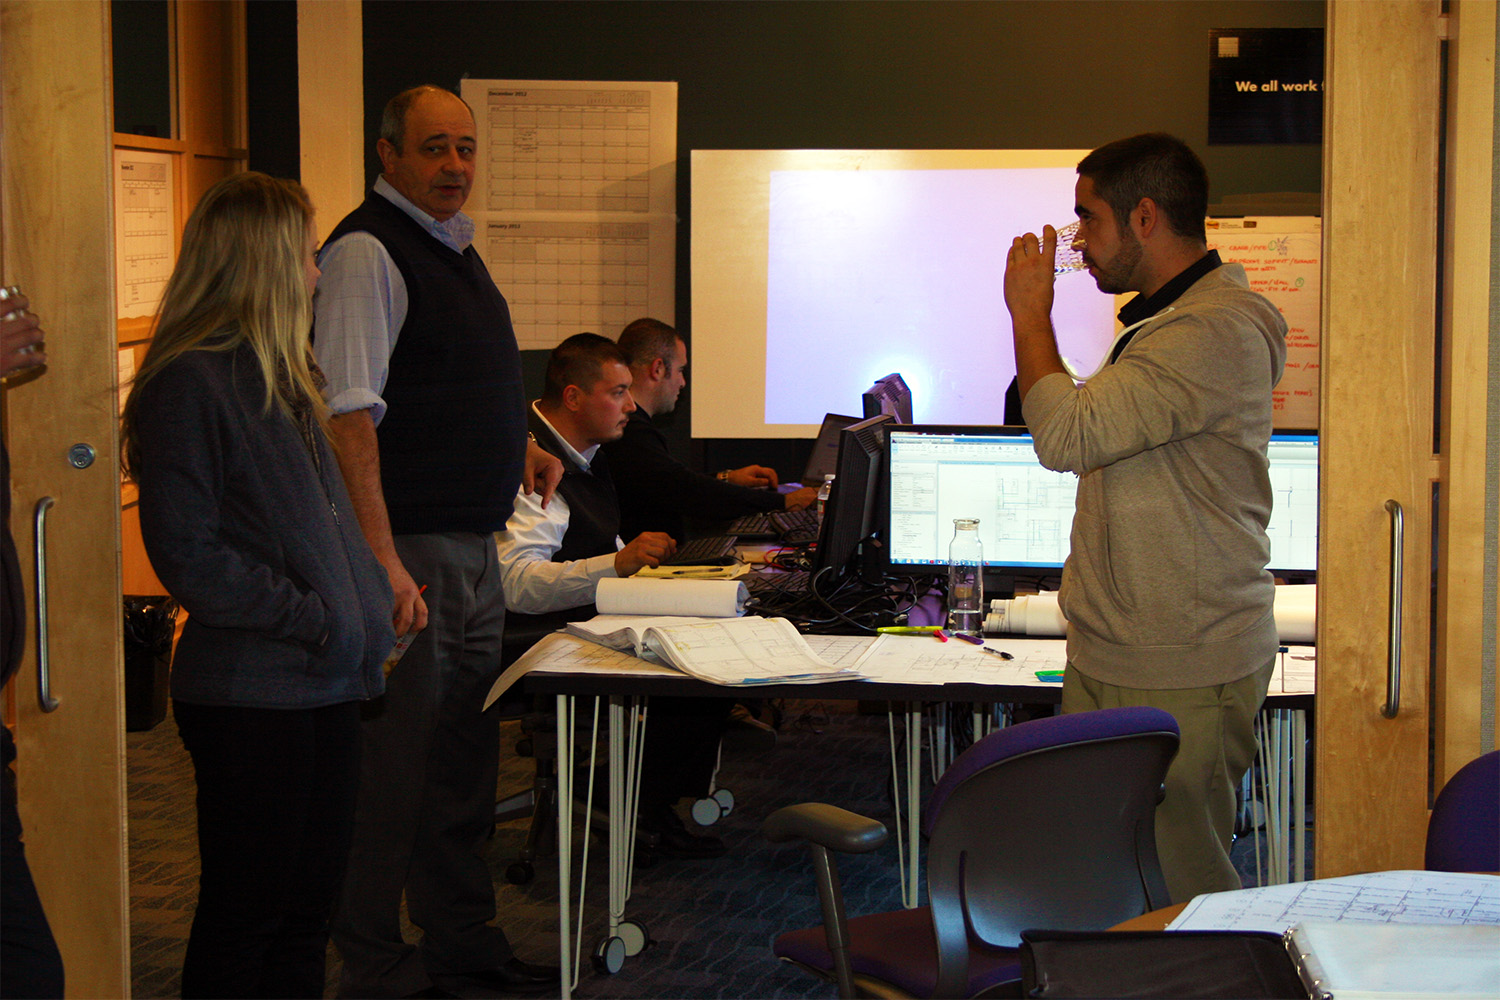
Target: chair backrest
(1048, 824)
(1463, 834)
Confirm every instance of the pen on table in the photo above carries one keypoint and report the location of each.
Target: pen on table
(940, 635)
(909, 629)
(997, 652)
(969, 638)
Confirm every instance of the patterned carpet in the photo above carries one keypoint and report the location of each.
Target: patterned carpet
(716, 947)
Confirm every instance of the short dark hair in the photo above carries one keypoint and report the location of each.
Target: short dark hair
(1152, 165)
(393, 118)
(579, 361)
(646, 339)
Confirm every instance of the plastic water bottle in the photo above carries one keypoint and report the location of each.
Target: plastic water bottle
(823, 492)
(966, 578)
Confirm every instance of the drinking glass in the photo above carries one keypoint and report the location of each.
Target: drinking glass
(1069, 250)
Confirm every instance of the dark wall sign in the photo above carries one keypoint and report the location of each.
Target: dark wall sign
(1265, 85)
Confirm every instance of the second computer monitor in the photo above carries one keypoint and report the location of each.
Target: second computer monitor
(889, 395)
(852, 513)
(936, 474)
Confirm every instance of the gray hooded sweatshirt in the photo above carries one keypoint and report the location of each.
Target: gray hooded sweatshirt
(1166, 585)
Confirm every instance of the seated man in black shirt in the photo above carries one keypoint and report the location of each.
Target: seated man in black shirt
(657, 492)
(552, 558)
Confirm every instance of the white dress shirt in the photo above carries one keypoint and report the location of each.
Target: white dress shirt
(360, 306)
(533, 583)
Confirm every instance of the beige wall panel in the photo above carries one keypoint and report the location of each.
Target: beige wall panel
(330, 75)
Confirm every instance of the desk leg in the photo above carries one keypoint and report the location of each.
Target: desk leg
(1299, 793)
(908, 836)
(565, 841)
(1283, 761)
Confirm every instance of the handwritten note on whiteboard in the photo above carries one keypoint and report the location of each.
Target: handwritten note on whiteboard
(1282, 257)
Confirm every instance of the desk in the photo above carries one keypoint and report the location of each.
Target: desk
(626, 689)
(1156, 920)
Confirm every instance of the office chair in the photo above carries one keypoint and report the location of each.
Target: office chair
(1463, 833)
(1046, 824)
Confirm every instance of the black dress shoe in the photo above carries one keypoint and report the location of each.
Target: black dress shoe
(668, 837)
(514, 976)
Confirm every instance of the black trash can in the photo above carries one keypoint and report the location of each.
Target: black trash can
(148, 626)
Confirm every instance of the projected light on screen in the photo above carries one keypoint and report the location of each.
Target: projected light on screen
(879, 271)
(817, 271)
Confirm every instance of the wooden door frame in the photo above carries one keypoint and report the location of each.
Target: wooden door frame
(58, 245)
(1401, 423)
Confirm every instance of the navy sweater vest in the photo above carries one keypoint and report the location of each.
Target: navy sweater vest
(453, 440)
(593, 525)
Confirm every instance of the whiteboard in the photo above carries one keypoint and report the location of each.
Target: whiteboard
(1282, 257)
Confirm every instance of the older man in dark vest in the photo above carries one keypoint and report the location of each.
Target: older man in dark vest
(430, 425)
(552, 559)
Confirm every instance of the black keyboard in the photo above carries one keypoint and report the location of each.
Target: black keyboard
(757, 525)
(712, 550)
(777, 583)
(796, 527)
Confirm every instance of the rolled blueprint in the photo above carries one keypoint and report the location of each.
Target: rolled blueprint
(1032, 614)
(698, 598)
(1038, 614)
(1296, 612)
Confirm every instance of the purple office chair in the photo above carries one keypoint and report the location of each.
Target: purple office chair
(1463, 834)
(1047, 824)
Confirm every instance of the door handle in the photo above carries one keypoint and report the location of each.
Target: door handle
(1393, 631)
(43, 666)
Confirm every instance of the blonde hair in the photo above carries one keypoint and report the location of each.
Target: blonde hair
(240, 279)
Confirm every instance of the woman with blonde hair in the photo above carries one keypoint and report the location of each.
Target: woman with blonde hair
(247, 523)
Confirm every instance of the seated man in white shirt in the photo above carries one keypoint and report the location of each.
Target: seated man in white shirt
(552, 558)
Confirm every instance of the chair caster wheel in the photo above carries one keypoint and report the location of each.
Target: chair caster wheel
(707, 812)
(634, 936)
(519, 872)
(609, 956)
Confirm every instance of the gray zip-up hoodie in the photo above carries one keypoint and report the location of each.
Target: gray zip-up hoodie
(1166, 585)
(254, 534)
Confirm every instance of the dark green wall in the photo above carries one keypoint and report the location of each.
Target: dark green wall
(878, 75)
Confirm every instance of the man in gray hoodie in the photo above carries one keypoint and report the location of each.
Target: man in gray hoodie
(1166, 591)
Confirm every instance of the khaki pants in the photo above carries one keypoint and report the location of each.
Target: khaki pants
(1195, 821)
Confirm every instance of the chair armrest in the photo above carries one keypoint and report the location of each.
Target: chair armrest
(825, 825)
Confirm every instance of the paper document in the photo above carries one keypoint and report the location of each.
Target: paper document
(1347, 961)
(742, 651)
(1398, 897)
(567, 654)
(626, 632)
(922, 659)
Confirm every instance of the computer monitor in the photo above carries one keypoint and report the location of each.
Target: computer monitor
(851, 514)
(935, 474)
(825, 451)
(1293, 529)
(889, 395)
